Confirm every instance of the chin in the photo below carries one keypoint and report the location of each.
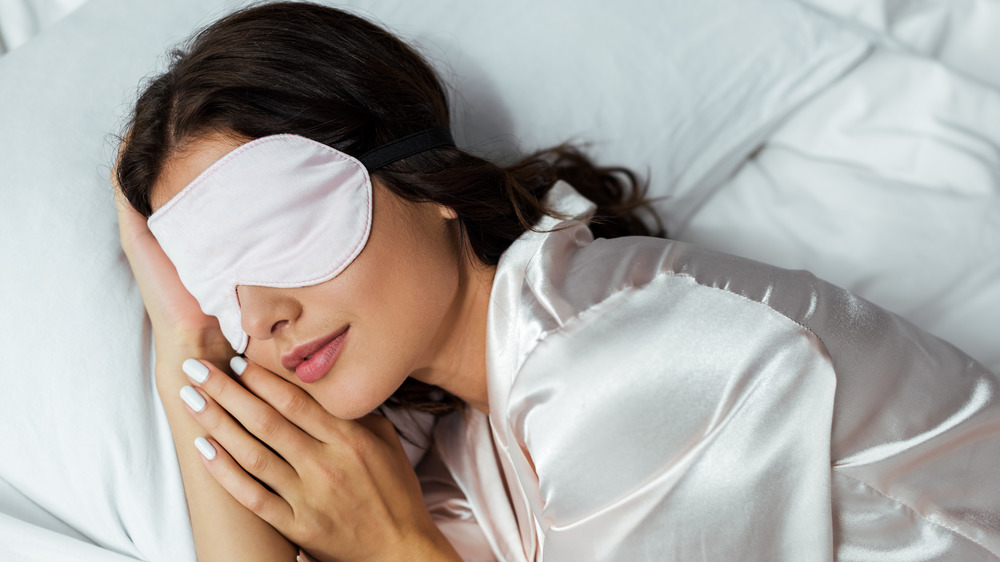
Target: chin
(359, 406)
(349, 411)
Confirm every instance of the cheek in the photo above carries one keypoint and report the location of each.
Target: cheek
(413, 274)
(405, 305)
(427, 286)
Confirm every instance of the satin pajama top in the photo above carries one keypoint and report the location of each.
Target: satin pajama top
(652, 400)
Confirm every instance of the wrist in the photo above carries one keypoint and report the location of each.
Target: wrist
(418, 547)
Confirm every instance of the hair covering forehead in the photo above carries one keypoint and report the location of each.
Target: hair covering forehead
(280, 211)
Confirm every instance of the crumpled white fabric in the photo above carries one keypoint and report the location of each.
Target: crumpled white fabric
(654, 400)
(960, 33)
(886, 184)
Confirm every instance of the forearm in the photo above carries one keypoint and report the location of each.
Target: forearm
(223, 529)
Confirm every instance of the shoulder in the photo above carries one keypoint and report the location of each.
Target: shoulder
(668, 386)
(560, 276)
(627, 369)
(601, 345)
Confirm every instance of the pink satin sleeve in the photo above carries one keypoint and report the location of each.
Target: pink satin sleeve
(707, 445)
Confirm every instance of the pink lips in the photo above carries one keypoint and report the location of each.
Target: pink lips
(312, 360)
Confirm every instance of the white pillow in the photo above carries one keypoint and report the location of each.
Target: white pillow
(683, 89)
(20, 20)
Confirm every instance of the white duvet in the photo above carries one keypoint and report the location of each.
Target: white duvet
(887, 184)
(775, 129)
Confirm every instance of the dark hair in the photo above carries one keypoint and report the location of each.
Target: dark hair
(314, 71)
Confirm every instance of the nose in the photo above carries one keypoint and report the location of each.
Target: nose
(266, 311)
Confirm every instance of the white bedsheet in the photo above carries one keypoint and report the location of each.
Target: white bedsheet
(29, 532)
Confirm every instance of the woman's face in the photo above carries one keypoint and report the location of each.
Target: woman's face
(380, 320)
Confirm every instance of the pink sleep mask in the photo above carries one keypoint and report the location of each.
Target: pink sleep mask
(280, 211)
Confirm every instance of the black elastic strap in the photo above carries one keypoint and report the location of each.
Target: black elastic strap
(406, 146)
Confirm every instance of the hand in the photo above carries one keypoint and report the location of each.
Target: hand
(183, 330)
(340, 489)
(173, 312)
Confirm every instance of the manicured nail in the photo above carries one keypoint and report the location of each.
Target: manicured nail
(193, 398)
(195, 369)
(205, 448)
(238, 364)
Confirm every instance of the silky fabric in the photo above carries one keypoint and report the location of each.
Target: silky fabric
(652, 400)
(279, 211)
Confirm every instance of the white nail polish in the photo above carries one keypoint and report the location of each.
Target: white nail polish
(195, 369)
(238, 365)
(204, 447)
(193, 398)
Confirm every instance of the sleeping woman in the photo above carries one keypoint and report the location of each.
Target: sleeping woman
(313, 248)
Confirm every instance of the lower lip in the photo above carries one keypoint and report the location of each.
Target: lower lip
(316, 367)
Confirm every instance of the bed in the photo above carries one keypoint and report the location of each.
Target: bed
(858, 139)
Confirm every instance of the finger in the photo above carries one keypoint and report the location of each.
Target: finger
(257, 416)
(152, 268)
(171, 308)
(131, 223)
(395, 458)
(382, 428)
(141, 247)
(295, 404)
(392, 468)
(246, 490)
(250, 453)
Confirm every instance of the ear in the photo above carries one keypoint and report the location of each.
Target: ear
(447, 212)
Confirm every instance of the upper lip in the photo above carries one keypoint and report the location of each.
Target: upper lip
(298, 354)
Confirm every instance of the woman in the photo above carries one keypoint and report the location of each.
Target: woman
(608, 398)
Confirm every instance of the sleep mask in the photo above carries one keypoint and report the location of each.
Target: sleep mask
(279, 211)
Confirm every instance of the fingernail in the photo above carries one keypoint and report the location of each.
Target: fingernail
(204, 447)
(193, 398)
(238, 365)
(195, 369)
